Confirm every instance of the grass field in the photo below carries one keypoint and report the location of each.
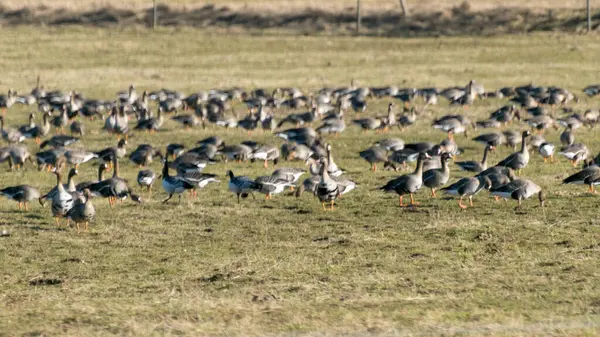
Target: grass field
(282, 267)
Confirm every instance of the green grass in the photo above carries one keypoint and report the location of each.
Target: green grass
(213, 267)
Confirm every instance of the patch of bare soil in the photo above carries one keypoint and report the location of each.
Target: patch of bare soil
(456, 21)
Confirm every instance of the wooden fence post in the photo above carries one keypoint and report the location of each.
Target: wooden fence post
(404, 8)
(154, 15)
(358, 17)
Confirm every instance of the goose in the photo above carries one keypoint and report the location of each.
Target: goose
(213, 140)
(198, 180)
(86, 184)
(588, 176)
(451, 125)
(546, 150)
(173, 184)
(592, 90)
(19, 154)
(468, 97)
(83, 210)
(327, 190)
(436, 178)
(296, 152)
(62, 201)
(373, 155)
(407, 119)
(290, 174)
(151, 124)
(128, 97)
(77, 128)
(475, 166)
(567, 137)
(305, 136)
(61, 120)
(8, 101)
(271, 185)
(105, 155)
(238, 152)
(310, 185)
(242, 185)
(390, 120)
(266, 153)
(332, 169)
(575, 153)
(114, 188)
(174, 150)
(59, 141)
(79, 156)
(407, 96)
(520, 189)
(121, 123)
(329, 126)
(21, 194)
(10, 135)
(536, 141)
(144, 154)
(188, 121)
(403, 157)
(391, 144)
(189, 162)
(47, 159)
(146, 178)
(25, 130)
(368, 123)
(300, 118)
(541, 123)
(512, 138)
(407, 184)
(518, 160)
(37, 131)
(468, 187)
(70, 186)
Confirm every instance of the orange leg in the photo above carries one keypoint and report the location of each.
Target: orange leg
(433, 195)
(460, 204)
(412, 201)
(471, 200)
(401, 204)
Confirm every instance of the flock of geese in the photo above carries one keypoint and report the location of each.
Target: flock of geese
(290, 115)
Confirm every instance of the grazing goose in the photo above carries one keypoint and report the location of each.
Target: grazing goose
(289, 174)
(189, 162)
(47, 159)
(296, 152)
(391, 144)
(151, 124)
(10, 135)
(59, 141)
(77, 128)
(468, 187)
(436, 178)
(144, 154)
(512, 138)
(450, 125)
(38, 131)
(82, 211)
(575, 153)
(546, 150)
(79, 156)
(146, 178)
(327, 190)
(475, 166)
(407, 184)
(368, 123)
(407, 119)
(567, 137)
(305, 136)
(175, 150)
(198, 180)
(62, 201)
(236, 152)
(265, 153)
(21, 194)
(271, 185)
(518, 160)
(373, 155)
(188, 121)
(242, 185)
(173, 184)
(519, 189)
(300, 118)
(588, 176)
(329, 126)
(19, 154)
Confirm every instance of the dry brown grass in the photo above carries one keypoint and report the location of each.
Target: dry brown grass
(298, 5)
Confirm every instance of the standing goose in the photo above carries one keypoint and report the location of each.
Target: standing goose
(518, 160)
(79, 156)
(61, 120)
(468, 187)
(289, 174)
(373, 155)
(575, 153)
(567, 137)
(407, 184)
(83, 211)
(21, 194)
(266, 153)
(242, 185)
(113, 188)
(39, 131)
(436, 178)
(332, 167)
(494, 138)
(106, 154)
(173, 184)
(70, 186)
(146, 178)
(475, 166)
(520, 189)
(151, 124)
(588, 176)
(546, 150)
(198, 179)
(86, 184)
(327, 189)
(368, 123)
(270, 185)
(62, 201)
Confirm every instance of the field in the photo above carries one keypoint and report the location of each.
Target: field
(283, 267)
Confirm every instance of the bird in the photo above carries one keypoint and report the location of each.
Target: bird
(173, 184)
(327, 190)
(408, 183)
(520, 189)
(242, 185)
(22, 194)
(59, 141)
(475, 166)
(146, 178)
(271, 185)
(198, 179)
(468, 187)
(546, 150)
(62, 201)
(77, 157)
(83, 210)
(373, 155)
(518, 160)
(575, 153)
(265, 153)
(436, 178)
(590, 176)
(10, 135)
